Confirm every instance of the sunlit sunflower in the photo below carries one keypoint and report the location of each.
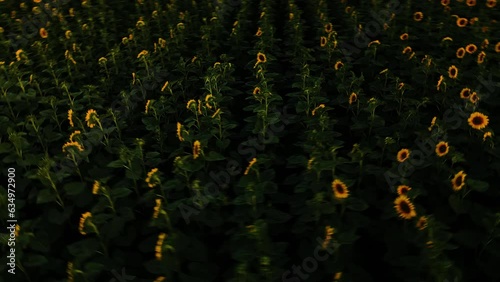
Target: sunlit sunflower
(421, 223)
(340, 190)
(261, 58)
(256, 91)
(453, 72)
(487, 135)
(91, 118)
(418, 16)
(321, 106)
(96, 187)
(480, 57)
(458, 181)
(83, 219)
(403, 189)
(460, 52)
(491, 3)
(323, 41)
(374, 42)
(445, 2)
(471, 3)
(403, 155)
(353, 98)
(471, 48)
(328, 28)
(404, 36)
(462, 22)
(433, 122)
(196, 149)
(478, 120)
(404, 207)
(407, 49)
(465, 93)
(43, 33)
(259, 32)
(485, 43)
(497, 47)
(440, 81)
(442, 149)
(473, 98)
(338, 65)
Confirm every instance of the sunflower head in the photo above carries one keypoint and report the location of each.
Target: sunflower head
(403, 189)
(460, 52)
(418, 16)
(445, 2)
(91, 118)
(473, 98)
(465, 93)
(458, 181)
(353, 98)
(471, 48)
(404, 36)
(442, 149)
(404, 207)
(328, 28)
(43, 33)
(453, 72)
(491, 3)
(338, 65)
(471, 3)
(478, 120)
(340, 190)
(323, 41)
(421, 223)
(407, 49)
(462, 22)
(480, 57)
(403, 155)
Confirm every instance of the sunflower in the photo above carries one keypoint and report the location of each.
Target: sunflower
(453, 72)
(179, 131)
(465, 93)
(91, 118)
(77, 132)
(478, 120)
(261, 58)
(340, 190)
(86, 216)
(460, 52)
(442, 148)
(259, 32)
(338, 65)
(68, 34)
(159, 246)
(462, 22)
(458, 181)
(497, 47)
(256, 91)
(433, 122)
(43, 33)
(152, 178)
(196, 149)
(321, 106)
(72, 144)
(407, 49)
(471, 48)
(445, 2)
(157, 208)
(96, 187)
(486, 135)
(480, 57)
(328, 28)
(374, 42)
(404, 36)
(473, 20)
(323, 41)
(70, 117)
(403, 155)
(473, 98)
(485, 43)
(418, 16)
(250, 164)
(403, 189)
(421, 223)
(471, 3)
(404, 207)
(491, 3)
(353, 98)
(440, 81)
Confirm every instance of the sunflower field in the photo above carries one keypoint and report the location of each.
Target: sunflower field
(249, 140)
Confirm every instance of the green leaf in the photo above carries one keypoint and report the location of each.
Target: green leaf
(120, 192)
(356, 204)
(74, 188)
(45, 196)
(214, 156)
(34, 260)
(115, 164)
(477, 185)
